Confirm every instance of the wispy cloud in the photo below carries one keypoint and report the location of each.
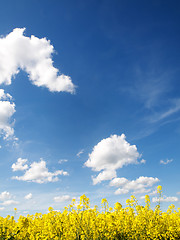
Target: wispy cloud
(10, 202)
(165, 199)
(153, 87)
(150, 86)
(80, 152)
(166, 162)
(62, 198)
(62, 161)
(174, 108)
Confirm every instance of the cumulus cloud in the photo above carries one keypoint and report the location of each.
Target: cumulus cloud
(111, 154)
(166, 162)
(33, 55)
(62, 198)
(165, 199)
(104, 175)
(28, 196)
(7, 109)
(140, 185)
(20, 165)
(39, 173)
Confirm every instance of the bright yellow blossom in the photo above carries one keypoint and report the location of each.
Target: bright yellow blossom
(132, 222)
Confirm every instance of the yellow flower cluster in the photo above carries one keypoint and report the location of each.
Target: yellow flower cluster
(82, 222)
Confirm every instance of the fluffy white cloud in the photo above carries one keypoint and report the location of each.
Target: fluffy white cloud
(117, 182)
(34, 56)
(5, 195)
(28, 196)
(7, 109)
(109, 155)
(39, 173)
(62, 198)
(1, 208)
(20, 165)
(104, 175)
(166, 199)
(166, 162)
(140, 185)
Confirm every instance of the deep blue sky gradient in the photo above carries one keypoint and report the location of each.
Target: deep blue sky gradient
(118, 54)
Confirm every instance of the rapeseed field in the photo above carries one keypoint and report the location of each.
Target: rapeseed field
(82, 222)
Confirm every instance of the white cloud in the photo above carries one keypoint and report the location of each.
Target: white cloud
(143, 161)
(80, 152)
(7, 109)
(4, 96)
(5, 195)
(121, 191)
(33, 55)
(153, 192)
(28, 196)
(117, 182)
(9, 202)
(62, 198)
(166, 199)
(39, 173)
(6, 199)
(20, 165)
(1, 208)
(140, 185)
(111, 154)
(149, 194)
(104, 175)
(166, 162)
(142, 197)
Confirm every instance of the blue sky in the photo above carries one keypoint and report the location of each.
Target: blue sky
(89, 102)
